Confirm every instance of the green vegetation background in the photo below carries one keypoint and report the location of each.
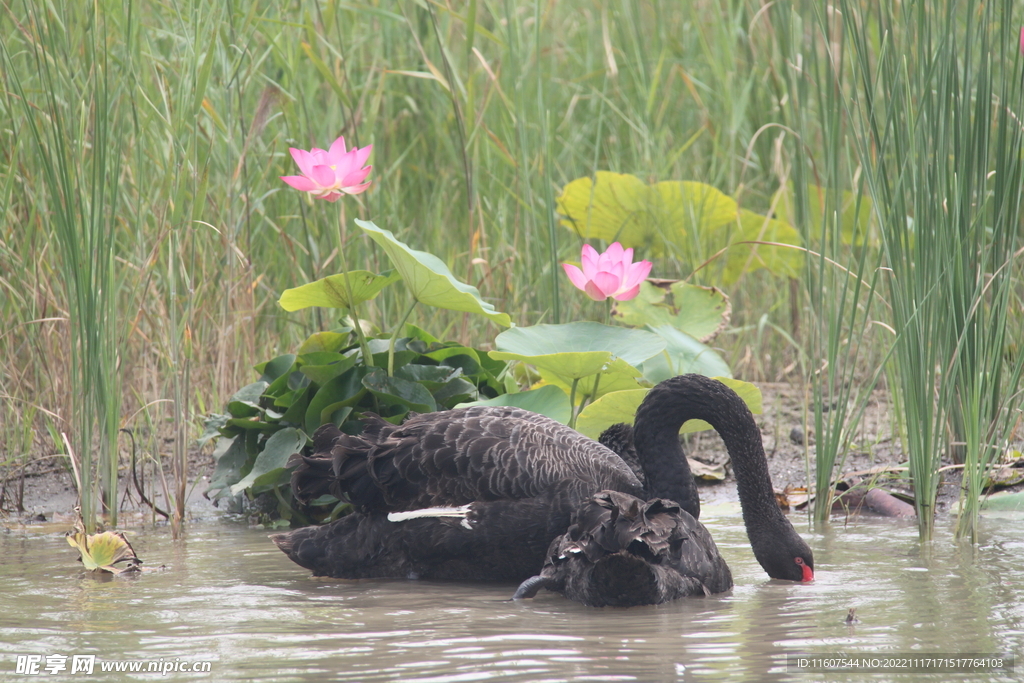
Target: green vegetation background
(153, 134)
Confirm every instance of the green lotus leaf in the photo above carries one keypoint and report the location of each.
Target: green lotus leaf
(429, 279)
(622, 207)
(245, 402)
(331, 292)
(695, 207)
(324, 341)
(688, 219)
(460, 357)
(322, 373)
(414, 332)
(344, 390)
(683, 354)
(212, 424)
(274, 369)
(701, 312)
(745, 258)
(287, 399)
(432, 377)
(246, 424)
(231, 457)
(547, 400)
(455, 391)
(479, 369)
(1004, 501)
(283, 383)
(856, 226)
(336, 413)
(615, 207)
(270, 463)
(401, 358)
(297, 404)
(322, 358)
(576, 350)
(398, 391)
(621, 406)
(617, 375)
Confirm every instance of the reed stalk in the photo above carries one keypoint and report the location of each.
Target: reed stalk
(73, 108)
(829, 206)
(935, 116)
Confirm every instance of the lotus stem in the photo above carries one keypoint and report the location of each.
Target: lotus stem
(394, 338)
(572, 402)
(367, 356)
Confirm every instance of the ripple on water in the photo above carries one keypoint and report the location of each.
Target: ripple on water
(227, 595)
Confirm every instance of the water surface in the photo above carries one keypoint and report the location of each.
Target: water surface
(228, 596)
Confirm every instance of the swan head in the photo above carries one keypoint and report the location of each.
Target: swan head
(788, 558)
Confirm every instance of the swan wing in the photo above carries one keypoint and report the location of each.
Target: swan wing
(456, 457)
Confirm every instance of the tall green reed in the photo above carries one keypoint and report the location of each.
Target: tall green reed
(936, 118)
(73, 109)
(841, 273)
(185, 154)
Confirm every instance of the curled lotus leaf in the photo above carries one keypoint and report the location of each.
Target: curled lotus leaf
(333, 291)
(101, 552)
(701, 312)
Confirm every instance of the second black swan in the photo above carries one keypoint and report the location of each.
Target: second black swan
(480, 493)
(624, 551)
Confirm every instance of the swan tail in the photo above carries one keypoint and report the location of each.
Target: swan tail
(354, 547)
(311, 477)
(341, 465)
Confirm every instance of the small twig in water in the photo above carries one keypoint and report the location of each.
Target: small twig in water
(138, 486)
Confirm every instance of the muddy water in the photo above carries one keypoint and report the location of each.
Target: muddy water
(229, 597)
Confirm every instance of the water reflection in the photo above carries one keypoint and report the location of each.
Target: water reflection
(229, 596)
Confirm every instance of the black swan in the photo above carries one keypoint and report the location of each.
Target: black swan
(480, 493)
(624, 551)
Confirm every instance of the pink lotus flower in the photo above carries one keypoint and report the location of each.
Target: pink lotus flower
(612, 273)
(329, 174)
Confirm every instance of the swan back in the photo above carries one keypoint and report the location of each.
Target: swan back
(456, 457)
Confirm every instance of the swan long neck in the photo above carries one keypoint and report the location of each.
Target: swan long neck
(687, 397)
